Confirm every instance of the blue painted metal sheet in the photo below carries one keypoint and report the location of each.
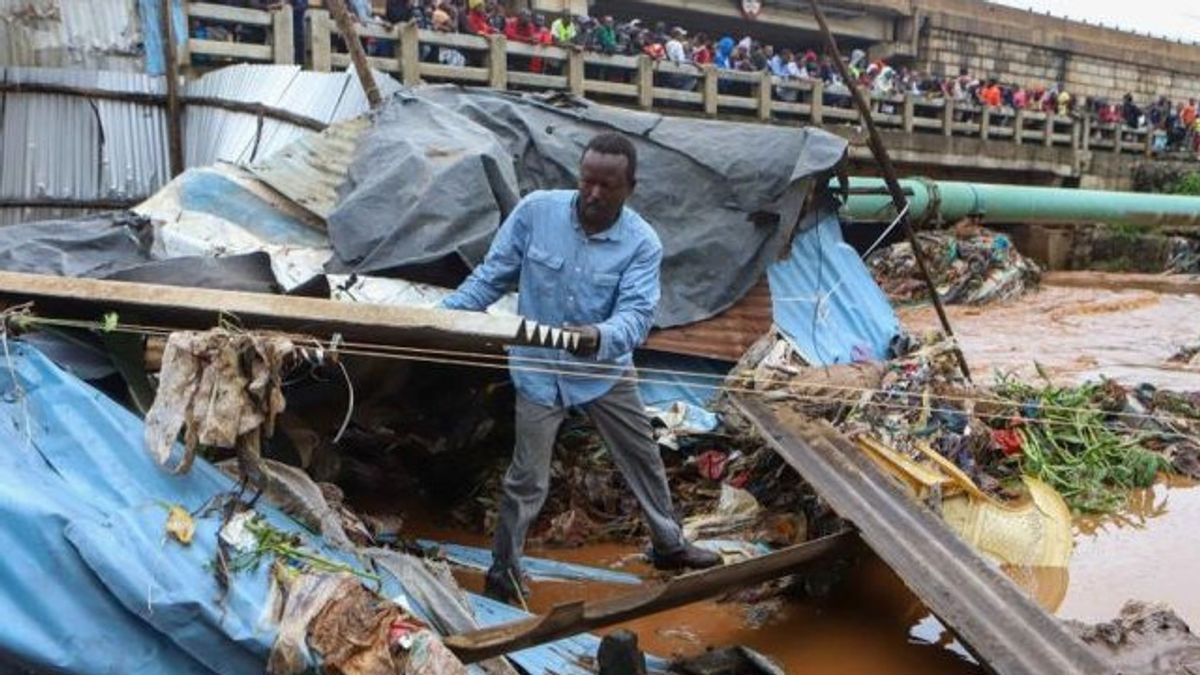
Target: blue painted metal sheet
(152, 36)
(539, 569)
(824, 300)
(90, 584)
(665, 378)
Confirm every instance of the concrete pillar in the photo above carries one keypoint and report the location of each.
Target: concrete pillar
(497, 62)
(764, 96)
(410, 55)
(575, 72)
(711, 80)
(948, 117)
(645, 82)
(1119, 137)
(320, 33)
(817, 105)
(1048, 138)
(909, 113)
(283, 41)
(1019, 126)
(985, 122)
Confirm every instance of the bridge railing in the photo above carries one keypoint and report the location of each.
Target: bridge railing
(268, 34)
(414, 55)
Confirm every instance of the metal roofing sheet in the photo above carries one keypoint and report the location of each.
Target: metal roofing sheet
(727, 335)
(824, 298)
(310, 169)
(96, 34)
(213, 134)
(114, 150)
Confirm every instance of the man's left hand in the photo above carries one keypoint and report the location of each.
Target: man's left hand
(589, 340)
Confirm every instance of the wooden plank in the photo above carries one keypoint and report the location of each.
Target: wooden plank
(737, 102)
(341, 60)
(228, 13)
(537, 80)
(283, 38)
(544, 51)
(453, 73)
(181, 308)
(611, 60)
(678, 95)
(611, 88)
(577, 617)
(1000, 622)
(232, 50)
(459, 40)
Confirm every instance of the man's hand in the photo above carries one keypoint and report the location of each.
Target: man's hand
(589, 340)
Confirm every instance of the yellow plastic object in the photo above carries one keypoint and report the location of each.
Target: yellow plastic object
(180, 524)
(1034, 533)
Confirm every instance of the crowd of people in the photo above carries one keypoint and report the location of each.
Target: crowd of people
(1174, 126)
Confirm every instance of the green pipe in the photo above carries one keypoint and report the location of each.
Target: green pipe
(953, 200)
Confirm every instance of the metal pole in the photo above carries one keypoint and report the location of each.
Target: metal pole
(350, 36)
(174, 124)
(889, 175)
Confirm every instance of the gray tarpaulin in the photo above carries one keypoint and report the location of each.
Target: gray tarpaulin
(433, 177)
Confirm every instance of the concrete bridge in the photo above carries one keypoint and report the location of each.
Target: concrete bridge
(928, 136)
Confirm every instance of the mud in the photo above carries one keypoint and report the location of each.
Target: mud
(1076, 334)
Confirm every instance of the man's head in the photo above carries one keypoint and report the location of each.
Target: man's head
(525, 17)
(607, 176)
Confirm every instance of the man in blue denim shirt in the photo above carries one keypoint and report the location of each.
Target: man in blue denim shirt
(579, 258)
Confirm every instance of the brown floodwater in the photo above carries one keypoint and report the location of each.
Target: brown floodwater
(1076, 334)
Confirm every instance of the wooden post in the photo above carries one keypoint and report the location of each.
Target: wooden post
(764, 96)
(1049, 129)
(910, 111)
(174, 123)
(1085, 133)
(320, 40)
(497, 62)
(282, 37)
(1119, 136)
(575, 72)
(947, 117)
(816, 109)
(1149, 149)
(357, 56)
(410, 55)
(645, 82)
(985, 122)
(1019, 126)
(711, 79)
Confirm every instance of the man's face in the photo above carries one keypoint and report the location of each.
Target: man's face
(603, 188)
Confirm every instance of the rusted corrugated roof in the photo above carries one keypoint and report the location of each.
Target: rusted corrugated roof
(725, 336)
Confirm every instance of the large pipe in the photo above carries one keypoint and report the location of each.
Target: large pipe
(869, 200)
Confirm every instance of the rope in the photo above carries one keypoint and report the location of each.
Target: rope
(608, 372)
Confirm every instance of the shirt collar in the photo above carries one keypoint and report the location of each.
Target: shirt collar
(611, 234)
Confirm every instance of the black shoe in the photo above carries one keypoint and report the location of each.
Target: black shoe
(688, 557)
(505, 585)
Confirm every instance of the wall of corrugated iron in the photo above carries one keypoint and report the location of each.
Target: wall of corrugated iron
(73, 148)
(91, 34)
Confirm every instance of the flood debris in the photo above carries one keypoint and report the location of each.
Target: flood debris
(970, 265)
(223, 389)
(1144, 639)
(1188, 356)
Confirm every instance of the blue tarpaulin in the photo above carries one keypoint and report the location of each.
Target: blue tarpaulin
(824, 299)
(89, 582)
(150, 12)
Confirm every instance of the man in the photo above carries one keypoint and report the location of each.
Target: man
(564, 29)
(579, 258)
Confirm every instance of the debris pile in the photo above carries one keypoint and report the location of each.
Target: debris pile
(1092, 442)
(970, 265)
(1144, 639)
(1183, 256)
(1188, 356)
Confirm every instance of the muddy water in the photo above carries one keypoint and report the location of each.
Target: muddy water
(871, 625)
(1076, 334)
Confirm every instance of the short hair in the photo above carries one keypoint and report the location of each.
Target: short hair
(612, 143)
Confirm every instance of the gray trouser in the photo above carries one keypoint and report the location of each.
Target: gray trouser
(622, 422)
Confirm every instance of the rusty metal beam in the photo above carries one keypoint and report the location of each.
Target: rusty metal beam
(179, 308)
(1000, 622)
(578, 617)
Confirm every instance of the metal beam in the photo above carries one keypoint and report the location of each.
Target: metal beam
(578, 617)
(1000, 622)
(184, 308)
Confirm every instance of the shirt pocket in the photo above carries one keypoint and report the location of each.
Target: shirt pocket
(544, 272)
(598, 301)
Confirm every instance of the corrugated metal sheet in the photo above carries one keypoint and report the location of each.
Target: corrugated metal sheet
(824, 299)
(727, 335)
(91, 34)
(67, 147)
(310, 170)
(213, 134)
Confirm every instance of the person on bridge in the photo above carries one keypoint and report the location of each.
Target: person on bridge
(579, 258)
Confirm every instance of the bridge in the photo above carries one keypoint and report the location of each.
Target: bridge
(932, 136)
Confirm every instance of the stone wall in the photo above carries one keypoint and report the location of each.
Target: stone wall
(1036, 50)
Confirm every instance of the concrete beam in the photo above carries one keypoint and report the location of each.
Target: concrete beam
(873, 28)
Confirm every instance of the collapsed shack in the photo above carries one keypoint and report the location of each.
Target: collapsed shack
(407, 432)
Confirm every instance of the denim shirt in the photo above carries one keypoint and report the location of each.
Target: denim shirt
(563, 276)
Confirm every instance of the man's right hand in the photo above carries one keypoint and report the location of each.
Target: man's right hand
(589, 340)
